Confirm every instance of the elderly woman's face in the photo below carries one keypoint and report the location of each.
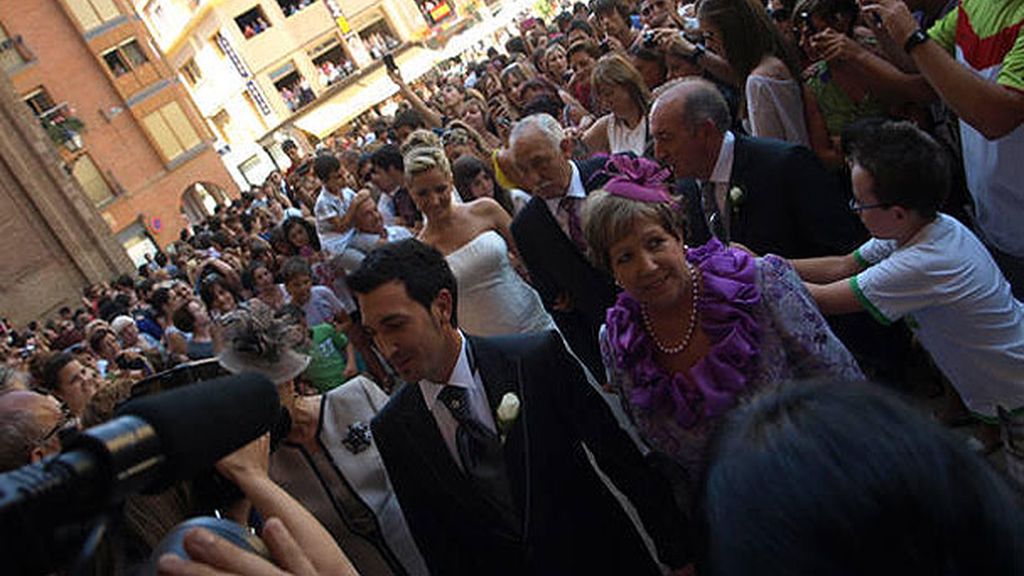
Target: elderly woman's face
(650, 264)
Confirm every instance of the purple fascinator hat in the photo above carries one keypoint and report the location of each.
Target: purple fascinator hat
(637, 179)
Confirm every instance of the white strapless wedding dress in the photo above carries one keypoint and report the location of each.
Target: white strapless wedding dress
(493, 299)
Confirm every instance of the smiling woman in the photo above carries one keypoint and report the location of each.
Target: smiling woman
(694, 329)
(476, 241)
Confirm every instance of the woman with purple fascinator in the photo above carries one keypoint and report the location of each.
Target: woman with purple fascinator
(695, 328)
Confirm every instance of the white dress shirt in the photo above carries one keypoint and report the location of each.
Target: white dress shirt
(576, 190)
(722, 174)
(464, 376)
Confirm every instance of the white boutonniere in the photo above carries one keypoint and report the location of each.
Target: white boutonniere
(736, 198)
(508, 411)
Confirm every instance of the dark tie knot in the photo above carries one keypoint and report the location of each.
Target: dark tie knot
(455, 399)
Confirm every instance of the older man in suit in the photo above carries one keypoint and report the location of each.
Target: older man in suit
(549, 234)
(771, 196)
(484, 444)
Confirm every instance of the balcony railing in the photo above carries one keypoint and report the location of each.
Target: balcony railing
(14, 54)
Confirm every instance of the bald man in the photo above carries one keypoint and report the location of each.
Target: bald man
(771, 196)
(29, 426)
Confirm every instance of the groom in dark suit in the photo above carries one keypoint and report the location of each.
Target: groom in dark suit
(548, 233)
(484, 444)
(771, 196)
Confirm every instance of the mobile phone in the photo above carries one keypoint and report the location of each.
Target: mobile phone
(389, 61)
(805, 17)
(649, 41)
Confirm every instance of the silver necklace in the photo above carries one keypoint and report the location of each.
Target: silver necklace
(691, 326)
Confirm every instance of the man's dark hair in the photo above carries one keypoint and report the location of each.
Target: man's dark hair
(388, 156)
(581, 25)
(606, 7)
(515, 44)
(544, 104)
(52, 366)
(408, 118)
(909, 168)
(418, 266)
(294, 267)
(325, 165)
(289, 145)
(848, 479)
(562, 21)
(183, 319)
(64, 310)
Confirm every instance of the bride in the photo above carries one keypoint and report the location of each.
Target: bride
(475, 239)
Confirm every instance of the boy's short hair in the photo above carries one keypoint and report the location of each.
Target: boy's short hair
(325, 165)
(294, 267)
(909, 168)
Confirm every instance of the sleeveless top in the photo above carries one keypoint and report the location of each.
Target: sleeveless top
(622, 138)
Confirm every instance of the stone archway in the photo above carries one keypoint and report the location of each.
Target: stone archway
(200, 200)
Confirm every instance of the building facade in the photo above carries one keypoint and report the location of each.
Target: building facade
(123, 124)
(253, 66)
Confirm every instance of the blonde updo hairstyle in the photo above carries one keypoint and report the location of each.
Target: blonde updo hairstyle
(423, 158)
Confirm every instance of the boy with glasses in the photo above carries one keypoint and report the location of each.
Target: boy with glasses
(926, 267)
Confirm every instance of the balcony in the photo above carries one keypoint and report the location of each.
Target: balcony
(14, 54)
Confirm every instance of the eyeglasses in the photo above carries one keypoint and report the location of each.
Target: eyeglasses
(854, 206)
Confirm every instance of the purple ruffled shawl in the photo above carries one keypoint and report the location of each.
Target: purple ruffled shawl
(725, 310)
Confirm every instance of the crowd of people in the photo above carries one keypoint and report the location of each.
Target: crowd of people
(609, 301)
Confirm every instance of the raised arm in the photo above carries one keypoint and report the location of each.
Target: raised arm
(432, 118)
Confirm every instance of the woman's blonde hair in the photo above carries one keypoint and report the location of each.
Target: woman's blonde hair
(423, 158)
(615, 70)
(608, 218)
(420, 139)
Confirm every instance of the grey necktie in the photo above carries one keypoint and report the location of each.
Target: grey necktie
(481, 454)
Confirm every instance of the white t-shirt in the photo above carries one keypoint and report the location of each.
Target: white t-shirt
(959, 304)
(328, 206)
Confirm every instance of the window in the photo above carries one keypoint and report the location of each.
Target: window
(116, 62)
(293, 88)
(330, 59)
(290, 7)
(91, 180)
(134, 52)
(39, 101)
(92, 13)
(378, 38)
(222, 120)
(127, 56)
(190, 71)
(171, 131)
(252, 22)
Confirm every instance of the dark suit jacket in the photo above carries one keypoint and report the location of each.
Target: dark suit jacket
(571, 522)
(557, 267)
(791, 206)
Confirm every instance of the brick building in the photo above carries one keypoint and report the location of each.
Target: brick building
(123, 124)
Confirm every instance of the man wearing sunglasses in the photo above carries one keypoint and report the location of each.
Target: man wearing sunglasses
(30, 427)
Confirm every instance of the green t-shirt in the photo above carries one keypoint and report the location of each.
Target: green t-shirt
(326, 357)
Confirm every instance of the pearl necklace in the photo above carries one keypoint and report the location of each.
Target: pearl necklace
(691, 326)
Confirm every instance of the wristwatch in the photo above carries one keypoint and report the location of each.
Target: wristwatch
(694, 56)
(916, 39)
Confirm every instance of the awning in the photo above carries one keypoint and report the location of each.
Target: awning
(328, 114)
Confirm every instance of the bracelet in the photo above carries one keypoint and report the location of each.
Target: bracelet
(916, 39)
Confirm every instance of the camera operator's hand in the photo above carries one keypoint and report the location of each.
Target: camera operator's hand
(212, 555)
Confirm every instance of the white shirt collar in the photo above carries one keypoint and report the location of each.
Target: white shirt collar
(576, 190)
(722, 173)
(462, 376)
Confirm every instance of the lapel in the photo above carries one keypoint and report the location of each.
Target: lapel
(501, 375)
(740, 169)
(546, 221)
